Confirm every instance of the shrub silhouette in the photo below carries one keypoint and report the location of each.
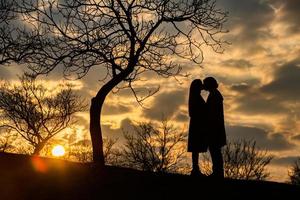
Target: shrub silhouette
(155, 148)
(81, 151)
(242, 160)
(295, 173)
(6, 140)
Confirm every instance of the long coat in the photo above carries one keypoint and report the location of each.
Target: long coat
(215, 117)
(197, 138)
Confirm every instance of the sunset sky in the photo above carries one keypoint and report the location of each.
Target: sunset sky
(259, 76)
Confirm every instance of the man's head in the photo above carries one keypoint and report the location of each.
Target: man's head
(210, 83)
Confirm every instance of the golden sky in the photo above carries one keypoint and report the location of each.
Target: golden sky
(259, 76)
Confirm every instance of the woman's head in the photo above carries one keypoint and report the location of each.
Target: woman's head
(210, 83)
(196, 86)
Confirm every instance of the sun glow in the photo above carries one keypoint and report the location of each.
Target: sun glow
(58, 151)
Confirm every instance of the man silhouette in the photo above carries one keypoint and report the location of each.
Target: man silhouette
(216, 128)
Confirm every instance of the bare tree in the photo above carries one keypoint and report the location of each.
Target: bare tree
(125, 38)
(36, 112)
(82, 151)
(151, 148)
(242, 160)
(7, 41)
(6, 140)
(6, 10)
(295, 173)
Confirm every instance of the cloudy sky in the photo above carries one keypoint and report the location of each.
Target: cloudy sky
(259, 76)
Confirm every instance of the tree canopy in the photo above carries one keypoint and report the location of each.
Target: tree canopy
(123, 38)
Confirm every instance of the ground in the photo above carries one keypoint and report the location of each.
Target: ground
(25, 177)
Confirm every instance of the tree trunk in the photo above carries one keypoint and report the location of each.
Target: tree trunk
(95, 129)
(38, 148)
(95, 115)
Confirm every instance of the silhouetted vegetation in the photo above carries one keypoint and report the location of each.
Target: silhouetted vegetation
(155, 148)
(7, 14)
(114, 35)
(6, 10)
(6, 139)
(36, 112)
(295, 172)
(81, 151)
(242, 160)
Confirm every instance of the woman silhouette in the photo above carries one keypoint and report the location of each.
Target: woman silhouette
(215, 124)
(197, 142)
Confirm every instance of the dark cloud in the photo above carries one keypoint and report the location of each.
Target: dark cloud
(256, 103)
(296, 137)
(182, 116)
(126, 125)
(11, 72)
(83, 142)
(235, 81)
(264, 140)
(271, 98)
(81, 120)
(290, 14)
(141, 91)
(286, 82)
(5, 73)
(289, 160)
(279, 142)
(126, 92)
(165, 105)
(109, 109)
(250, 16)
(251, 100)
(229, 79)
(242, 87)
(237, 63)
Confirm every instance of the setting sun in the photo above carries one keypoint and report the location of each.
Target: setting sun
(58, 151)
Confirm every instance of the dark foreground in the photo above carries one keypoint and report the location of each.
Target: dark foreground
(24, 177)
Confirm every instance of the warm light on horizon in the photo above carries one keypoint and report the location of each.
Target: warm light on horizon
(58, 151)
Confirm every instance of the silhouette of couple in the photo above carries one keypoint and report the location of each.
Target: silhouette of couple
(206, 128)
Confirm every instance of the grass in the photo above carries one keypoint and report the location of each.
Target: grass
(26, 177)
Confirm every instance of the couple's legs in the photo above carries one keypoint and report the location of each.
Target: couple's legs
(217, 161)
(195, 160)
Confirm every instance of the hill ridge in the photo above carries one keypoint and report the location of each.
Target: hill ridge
(29, 177)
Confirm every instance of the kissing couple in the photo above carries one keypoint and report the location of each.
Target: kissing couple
(206, 127)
